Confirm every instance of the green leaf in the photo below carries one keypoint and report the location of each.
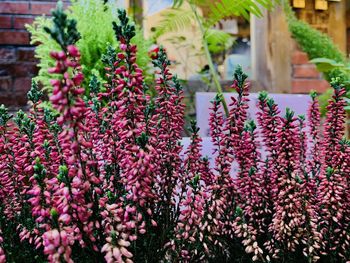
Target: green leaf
(218, 40)
(177, 3)
(34, 94)
(64, 30)
(326, 64)
(227, 8)
(175, 19)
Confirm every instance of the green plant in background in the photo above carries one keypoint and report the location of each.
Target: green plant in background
(321, 50)
(333, 69)
(213, 41)
(94, 23)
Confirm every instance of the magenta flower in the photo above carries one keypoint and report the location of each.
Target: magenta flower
(101, 177)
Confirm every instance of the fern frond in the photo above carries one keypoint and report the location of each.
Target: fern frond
(45, 44)
(175, 19)
(218, 40)
(177, 3)
(227, 8)
(94, 22)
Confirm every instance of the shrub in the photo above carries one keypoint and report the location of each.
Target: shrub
(315, 43)
(93, 20)
(318, 45)
(106, 179)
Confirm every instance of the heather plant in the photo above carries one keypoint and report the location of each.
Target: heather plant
(103, 179)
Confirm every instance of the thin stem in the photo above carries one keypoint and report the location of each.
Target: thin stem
(210, 61)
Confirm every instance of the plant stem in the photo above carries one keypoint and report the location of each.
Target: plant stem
(210, 61)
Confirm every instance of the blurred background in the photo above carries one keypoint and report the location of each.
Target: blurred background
(265, 45)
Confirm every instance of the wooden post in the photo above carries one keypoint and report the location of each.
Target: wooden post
(271, 52)
(337, 24)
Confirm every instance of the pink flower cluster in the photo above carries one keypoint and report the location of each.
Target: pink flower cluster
(101, 178)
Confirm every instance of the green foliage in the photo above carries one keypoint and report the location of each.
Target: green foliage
(218, 40)
(95, 26)
(313, 42)
(317, 45)
(213, 41)
(94, 85)
(334, 70)
(240, 76)
(227, 8)
(326, 64)
(4, 115)
(124, 31)
(177, 18)
(42, 51)
(69, 35)
(94, 23)
(34, 94)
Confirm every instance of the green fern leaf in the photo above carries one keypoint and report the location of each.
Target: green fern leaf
(94, 22)
(227, 8)
(177, 3)
(175, 19)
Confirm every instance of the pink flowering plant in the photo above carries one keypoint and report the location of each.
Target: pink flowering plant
(102, 179)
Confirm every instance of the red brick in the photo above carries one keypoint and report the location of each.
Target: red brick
(26, 54)
(20, 100)
(17, 7)
(5, 69)
(19, 22)
(25, 70)
(22, 85)
(14, 38)
(305, 71)
(14, 100)
(5, 21)
(5, 84)
(7, 100)
(19, 69)
(306, 85)
(299, 57)
(40, 8)
(7, 55)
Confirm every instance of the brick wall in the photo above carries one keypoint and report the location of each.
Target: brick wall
(305, 76)
(17, 62)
